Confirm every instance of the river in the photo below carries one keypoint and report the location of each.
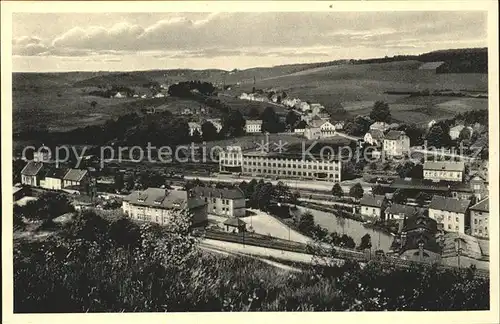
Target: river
(353, 228)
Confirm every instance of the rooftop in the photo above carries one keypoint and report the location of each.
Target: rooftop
(226, 193)
(32, 168)
(166, 199)
(482, 206)
(394, 135)
(376, 134)
(75, 174)
(254, 122)
(372, 200)
(56, 173)
(449, 204)
(401, 209)
(444, 165)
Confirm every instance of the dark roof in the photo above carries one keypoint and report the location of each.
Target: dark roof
(414, 238)
(401, 209)
(162, 198)
(75, 174)
(32, 168)
(394, 135)
(56, 173)
(483, 205)
(372, 200)
(234, 221)
(418, 221)
(420, 184)
(449, 204)
(444, 165)
(226, 193)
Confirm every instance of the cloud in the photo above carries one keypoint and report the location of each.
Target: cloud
(286, 34)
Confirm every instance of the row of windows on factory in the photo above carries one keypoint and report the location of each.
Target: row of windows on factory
(283, 172)
(289, 165)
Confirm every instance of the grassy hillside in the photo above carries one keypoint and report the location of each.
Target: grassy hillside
(115, 79)
(59, 100)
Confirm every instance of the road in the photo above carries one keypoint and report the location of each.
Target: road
(258, 251)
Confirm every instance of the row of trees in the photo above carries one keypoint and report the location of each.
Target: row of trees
(114, 265)
(187, 89)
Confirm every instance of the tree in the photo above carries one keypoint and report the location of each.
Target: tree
(291, 118)
(119, 181)
(399, 197)
(125, 233)
(465, 134)
(404, 170)
(378, 190)
(437, 137)
(337, 191)
(270, 121)
(356, 191)
(234, 124)
(208, 131)
(306, 223)
(253, 112)
(415, 133)
(93, 104)
(365, 243)
(357, 127)
(380, 112)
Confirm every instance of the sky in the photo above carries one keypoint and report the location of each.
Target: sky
(43, 42)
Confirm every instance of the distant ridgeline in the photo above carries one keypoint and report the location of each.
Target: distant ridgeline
(466, 60)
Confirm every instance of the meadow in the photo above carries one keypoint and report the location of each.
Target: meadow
(57, 101)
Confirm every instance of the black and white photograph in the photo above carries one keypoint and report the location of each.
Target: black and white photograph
(251, 157)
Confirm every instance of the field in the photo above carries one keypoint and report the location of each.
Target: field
(56, 100)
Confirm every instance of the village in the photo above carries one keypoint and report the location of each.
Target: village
(430, 206)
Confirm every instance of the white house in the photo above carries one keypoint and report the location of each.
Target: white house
(431, 123)
(449, 212)
(371, 206)
(444, 170)
(455, 131)
(339, 125)
(374, 137)
(159, 95)
(159, 205)
(396, 143)
(399, 211)
(223, 202)
(479, 218)
(119, 95)
(253, 126)
(312, 132)
(380, 126)
(193, 126)
(327, 129)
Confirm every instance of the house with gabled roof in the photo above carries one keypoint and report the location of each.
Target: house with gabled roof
(75, 178)
(160, 205)
(396, 143)
(372, 206)
(444, 171)
(229, 202)
(450, 212)
(54, 179)
(399, 211)
(33, 173)
(479, 218)
(374, 137)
